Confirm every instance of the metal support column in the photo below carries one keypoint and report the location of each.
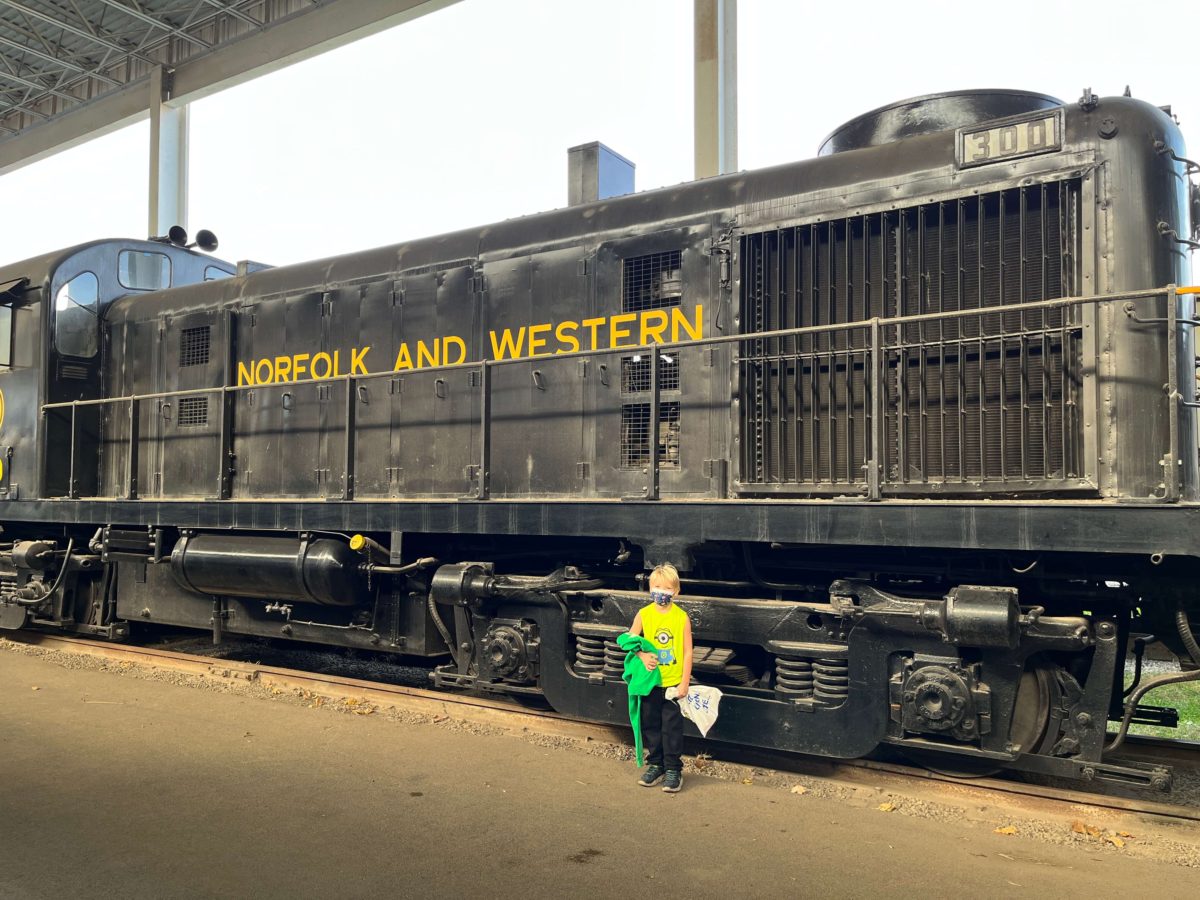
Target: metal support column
(168, 157)
(715, 29)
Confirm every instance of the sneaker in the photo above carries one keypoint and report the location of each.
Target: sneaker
(652, 776)
(674, 782)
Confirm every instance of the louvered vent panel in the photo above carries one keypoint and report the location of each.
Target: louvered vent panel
(977, 401)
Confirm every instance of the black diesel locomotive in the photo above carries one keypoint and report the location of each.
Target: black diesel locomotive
(915, 419)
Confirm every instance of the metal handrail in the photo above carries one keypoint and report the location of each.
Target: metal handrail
(655, 350)
(882, 321)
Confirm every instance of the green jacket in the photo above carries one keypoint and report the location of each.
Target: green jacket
(641, 682)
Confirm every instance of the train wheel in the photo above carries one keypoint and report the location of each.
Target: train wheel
(1037, 695)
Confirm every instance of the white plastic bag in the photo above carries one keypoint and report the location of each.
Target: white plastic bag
(700, 705)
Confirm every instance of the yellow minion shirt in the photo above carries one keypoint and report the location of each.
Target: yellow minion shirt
(665, 631)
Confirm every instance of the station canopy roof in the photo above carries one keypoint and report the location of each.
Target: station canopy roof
(59, 58)
(56, 54)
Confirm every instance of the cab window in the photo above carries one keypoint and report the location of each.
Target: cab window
(143, 271)
(76, 323)
(212, 273)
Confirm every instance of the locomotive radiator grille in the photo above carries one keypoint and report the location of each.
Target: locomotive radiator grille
(652, 281)
(971, 401)
(194, 345)
(636, 435)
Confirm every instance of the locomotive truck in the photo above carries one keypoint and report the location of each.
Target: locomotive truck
(916, 420)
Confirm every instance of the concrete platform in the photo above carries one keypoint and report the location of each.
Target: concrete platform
(116, 786)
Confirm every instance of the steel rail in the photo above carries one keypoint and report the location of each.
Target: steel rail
(477, 709)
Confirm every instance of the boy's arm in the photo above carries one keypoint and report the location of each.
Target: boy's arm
(686, 680)
(649, 660)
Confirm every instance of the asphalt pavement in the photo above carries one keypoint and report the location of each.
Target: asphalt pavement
(116, 786)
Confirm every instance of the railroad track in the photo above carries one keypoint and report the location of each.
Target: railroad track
(510, 715)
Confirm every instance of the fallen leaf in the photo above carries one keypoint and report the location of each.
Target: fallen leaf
(886, 807)
(1115, 841)
(747, 781)
(1125, 834)
(35, 688)
(1083, 828)
(799, 789)
(1007, 829)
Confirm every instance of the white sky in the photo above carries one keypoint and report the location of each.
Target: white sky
(464, 117)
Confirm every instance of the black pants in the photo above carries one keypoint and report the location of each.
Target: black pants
(662, 731)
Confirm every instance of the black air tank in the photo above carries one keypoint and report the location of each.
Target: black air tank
(322, 571)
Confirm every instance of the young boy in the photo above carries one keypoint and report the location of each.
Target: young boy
(667, 627)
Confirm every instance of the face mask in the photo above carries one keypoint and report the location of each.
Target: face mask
(662, 598)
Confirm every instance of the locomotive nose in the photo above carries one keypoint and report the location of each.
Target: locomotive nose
(930, 113)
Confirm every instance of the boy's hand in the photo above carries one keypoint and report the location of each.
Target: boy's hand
(682, 690)
(649, 660)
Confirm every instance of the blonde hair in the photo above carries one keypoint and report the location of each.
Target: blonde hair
(666, 575)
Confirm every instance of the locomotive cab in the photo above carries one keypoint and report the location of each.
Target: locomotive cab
(52, 333)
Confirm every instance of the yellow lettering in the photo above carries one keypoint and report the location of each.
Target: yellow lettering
(358, 361)
(425, 356)
(403, 359)
(328, 361)
(337, 363)
(259, 377)
(570, 340)
(537, 343)
(652, 332)
(459, 343)
(299, 366)
(679, 320)
(616, 332)
(245, 375)
(593, 325)
(283, 368)
(507, 348)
